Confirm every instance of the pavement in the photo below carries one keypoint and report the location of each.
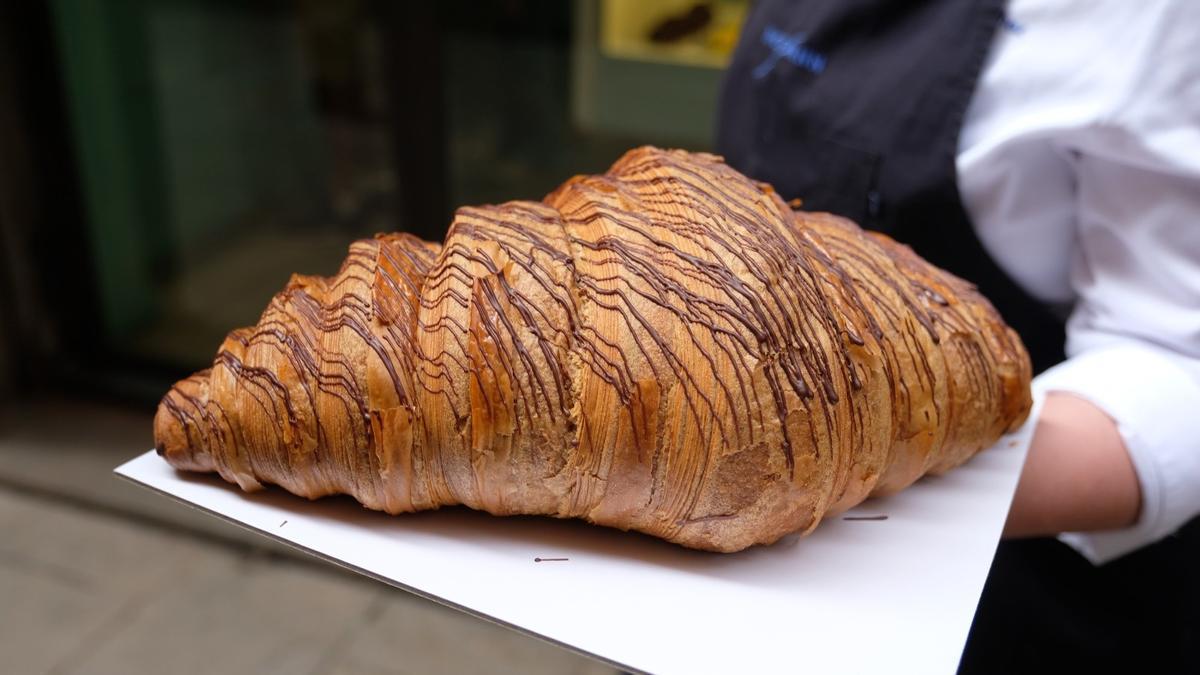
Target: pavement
(97, 576)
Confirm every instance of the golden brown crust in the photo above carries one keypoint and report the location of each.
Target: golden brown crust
(667, 347)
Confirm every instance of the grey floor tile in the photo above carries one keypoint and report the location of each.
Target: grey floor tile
(416, 637)
(88, 593)
(245, 616)
(67, 577)
(351, 667)
(70, 448)
(44, 615)
(112, 556)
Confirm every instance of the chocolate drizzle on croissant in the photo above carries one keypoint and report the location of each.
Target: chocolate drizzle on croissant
(667, 347)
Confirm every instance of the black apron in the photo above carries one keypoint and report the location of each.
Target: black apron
(855, 107)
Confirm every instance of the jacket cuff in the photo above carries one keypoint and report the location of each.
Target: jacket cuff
(1156, 405)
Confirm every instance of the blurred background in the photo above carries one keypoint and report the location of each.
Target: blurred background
(165, 165)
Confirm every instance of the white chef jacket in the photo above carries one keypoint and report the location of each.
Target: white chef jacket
(1079, 164)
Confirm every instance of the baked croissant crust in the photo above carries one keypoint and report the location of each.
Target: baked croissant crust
(668, 347)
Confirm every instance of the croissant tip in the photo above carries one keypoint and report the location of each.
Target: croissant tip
(177, 438)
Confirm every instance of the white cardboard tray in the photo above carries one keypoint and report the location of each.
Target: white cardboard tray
(855, 596)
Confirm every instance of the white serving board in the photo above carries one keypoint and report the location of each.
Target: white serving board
(855, 596)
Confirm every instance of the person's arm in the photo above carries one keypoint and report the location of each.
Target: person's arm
(1115, 460)
(1078, 475)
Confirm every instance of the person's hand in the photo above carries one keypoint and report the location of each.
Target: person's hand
(1078, 476)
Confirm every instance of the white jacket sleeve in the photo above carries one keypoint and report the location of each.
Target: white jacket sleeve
(1080, 166)
(1157, 410)
(1133, 339)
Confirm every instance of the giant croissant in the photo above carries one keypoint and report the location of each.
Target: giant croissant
(668, 347)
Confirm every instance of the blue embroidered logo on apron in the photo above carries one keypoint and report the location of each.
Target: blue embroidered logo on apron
(790, 47)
